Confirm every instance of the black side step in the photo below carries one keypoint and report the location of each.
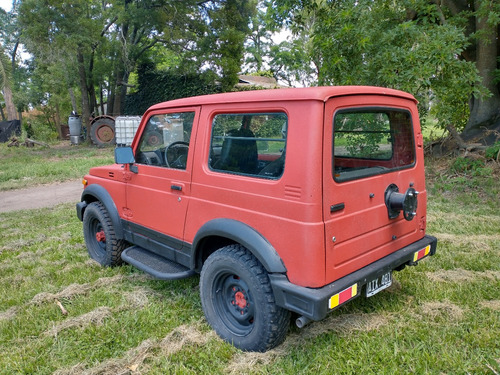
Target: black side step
(155, 265)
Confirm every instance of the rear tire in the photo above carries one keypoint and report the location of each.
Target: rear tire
(238, 300)
(102, 132)
(100, 237)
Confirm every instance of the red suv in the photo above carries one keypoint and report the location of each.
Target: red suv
(288, 200)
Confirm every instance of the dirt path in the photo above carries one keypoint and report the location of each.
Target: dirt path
(40, 196)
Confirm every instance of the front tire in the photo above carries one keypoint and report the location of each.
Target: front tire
(100, 237)
(238, 301)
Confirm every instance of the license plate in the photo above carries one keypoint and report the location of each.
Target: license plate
(380, 283)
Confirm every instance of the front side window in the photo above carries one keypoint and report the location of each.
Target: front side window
(165, 140)
(249, 144)
(371, 141)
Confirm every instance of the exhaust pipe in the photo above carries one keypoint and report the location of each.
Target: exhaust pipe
(302, 321)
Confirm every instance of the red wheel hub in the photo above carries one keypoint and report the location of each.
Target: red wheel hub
(100, 236)
(240, 300)
(105, 133)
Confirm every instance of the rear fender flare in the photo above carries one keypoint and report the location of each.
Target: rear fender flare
(243, 234)
(96, 192)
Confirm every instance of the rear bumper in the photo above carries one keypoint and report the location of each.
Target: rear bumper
(314, 303)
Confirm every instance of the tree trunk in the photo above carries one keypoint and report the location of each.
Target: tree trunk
(111, 98)
(91, 88)
(1, 113)
(117, 102)
(484, 109)
(9, 103)
(119, 92)
(58, 122)
(73, 99)
(85, 93)
(101, 99)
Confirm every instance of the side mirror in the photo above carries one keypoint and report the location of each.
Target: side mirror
(124, 155)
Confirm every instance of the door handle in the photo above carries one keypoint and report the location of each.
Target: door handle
(176, 187)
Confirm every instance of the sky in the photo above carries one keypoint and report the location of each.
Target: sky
(6, 4)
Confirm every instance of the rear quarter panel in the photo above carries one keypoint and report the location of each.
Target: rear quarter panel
(288, 211)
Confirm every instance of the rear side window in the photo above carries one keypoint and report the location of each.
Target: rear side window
(252, 144)
(371, 141)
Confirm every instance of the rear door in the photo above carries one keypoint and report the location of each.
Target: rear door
(367, 148)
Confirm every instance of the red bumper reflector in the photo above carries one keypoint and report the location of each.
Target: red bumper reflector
(421, 253)
(343, 296)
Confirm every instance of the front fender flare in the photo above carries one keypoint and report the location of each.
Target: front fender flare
(96, 192)
(243, 234)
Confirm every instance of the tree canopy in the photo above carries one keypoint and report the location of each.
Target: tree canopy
(446, 53)
(86, 55)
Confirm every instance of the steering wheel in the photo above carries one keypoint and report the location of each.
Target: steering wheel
(176, 154)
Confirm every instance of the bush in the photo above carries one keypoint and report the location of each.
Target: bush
(493, 151)
(468, 166)
(38, 128)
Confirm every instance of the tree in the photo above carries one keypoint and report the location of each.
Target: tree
(258, 42)
(443, 52)
(5, 85)
(60, 35)
(96, 45)
(482, 19)
(9, 36)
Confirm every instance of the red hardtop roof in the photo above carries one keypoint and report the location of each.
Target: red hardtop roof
(310, 93)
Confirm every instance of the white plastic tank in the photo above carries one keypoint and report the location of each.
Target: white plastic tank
(125, 129)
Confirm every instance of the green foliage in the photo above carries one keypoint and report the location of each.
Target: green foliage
(493, 152)
(111, 39)
(364, 134)
(468, 166)
(159, 86)
(402, 45)
(226, 31)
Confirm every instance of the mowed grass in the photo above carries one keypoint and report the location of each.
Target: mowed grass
(24, 167)
(441, 317)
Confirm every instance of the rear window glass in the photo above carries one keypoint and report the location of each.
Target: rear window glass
(371, 141)
(249, 144)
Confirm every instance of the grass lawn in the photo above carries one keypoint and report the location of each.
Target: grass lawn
(24, 167)
(61, 313)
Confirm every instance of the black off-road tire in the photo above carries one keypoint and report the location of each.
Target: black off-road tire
(100, 237)
(238, 300)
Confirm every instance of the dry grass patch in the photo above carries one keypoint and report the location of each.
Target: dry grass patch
(138, 298)
(492, 305)
(460, 275)
(478, 242)
(446, 310)
(75, 290)
(184, 335)
(132, 362)
(128, 364)
(9, 314)
(14, 245)
(95, 317)
(244, 362)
